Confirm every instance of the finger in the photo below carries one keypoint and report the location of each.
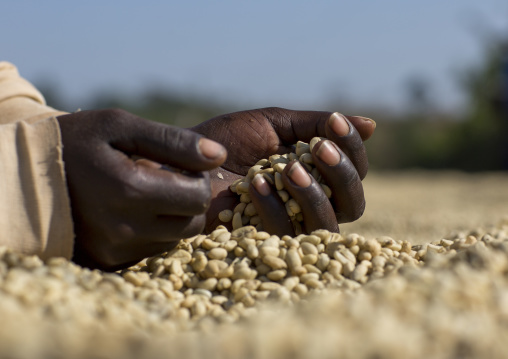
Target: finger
(293, 126)
(165, 192)
(270, 207)
(317, 210)
(339, 130)
(342, 178)
(147, 163)
(223, 198)
(364, 125)
(162, 143)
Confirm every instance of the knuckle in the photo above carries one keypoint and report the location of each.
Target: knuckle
(112, 120)
(275, 115)
(129, 186)
(179, 138)
(170, 135)
(114, 115)
(114, 112)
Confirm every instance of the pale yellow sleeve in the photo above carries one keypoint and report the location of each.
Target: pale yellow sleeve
(19, 99)
(35, 215)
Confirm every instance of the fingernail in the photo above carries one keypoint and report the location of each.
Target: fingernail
(298, 175)
(211, 149)
(328, 153)
(368, 120)
(338, 124)
(261, 185)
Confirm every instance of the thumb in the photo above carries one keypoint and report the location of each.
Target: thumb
(178, 147)
(292, 126)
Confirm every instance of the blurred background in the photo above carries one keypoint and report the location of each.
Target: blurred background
(433, 74)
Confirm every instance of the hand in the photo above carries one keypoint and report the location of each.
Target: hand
(253, 135)
(124, 209)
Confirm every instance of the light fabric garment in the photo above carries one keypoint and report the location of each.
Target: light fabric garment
(35, 214)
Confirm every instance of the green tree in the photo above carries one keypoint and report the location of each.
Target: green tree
(484, 144)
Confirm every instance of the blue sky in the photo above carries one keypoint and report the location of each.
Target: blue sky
(296, 54)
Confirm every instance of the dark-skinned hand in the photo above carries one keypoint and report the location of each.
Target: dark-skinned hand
(253, 135)
(125, 209)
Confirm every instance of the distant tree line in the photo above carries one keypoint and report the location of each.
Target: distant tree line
(475, 140)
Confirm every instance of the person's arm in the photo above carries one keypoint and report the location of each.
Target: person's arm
(123, 208)
(35, 215)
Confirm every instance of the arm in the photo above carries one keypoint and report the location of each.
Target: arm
(123, 209)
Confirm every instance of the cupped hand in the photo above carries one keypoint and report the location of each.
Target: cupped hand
(252, 135)
(126, 209)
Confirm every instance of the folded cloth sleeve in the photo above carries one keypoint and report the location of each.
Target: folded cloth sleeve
(35, 213)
